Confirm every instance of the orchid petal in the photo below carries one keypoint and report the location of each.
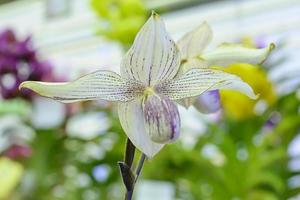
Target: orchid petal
(104, 85)
(186, 102)
(153, 56)
(161, 119)
(197, 81)
(228, 54)
(194, 42)
(131, 117)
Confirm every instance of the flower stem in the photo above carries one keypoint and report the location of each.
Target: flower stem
(137, 172)
(139, 167)
(129, 153)
(126, 167)
(128, 160)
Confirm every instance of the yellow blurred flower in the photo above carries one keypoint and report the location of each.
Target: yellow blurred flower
(10, 175)
(239, 106)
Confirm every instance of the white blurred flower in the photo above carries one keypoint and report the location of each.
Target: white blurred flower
(83, 180)
(13, 131)
(193, 126)
(87, 126)
(213, 154)
(158, 190)
(47, 113)
(94, 151)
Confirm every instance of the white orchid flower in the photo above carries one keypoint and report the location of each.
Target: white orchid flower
(147, 89)
(192, 46)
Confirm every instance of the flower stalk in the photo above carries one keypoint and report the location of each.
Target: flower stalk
(126, 169)
(129, 153)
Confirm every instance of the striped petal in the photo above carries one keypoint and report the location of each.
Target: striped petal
(131, 117)
(161, 118)
(187, 102)
(194, 42)
(101, 84)
(153, 56)
(228, 54)
(197, 81)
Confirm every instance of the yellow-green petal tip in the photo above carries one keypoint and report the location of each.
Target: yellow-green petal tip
(23, 85)
(272, 47)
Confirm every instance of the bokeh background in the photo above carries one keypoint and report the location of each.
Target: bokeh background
(247, 150)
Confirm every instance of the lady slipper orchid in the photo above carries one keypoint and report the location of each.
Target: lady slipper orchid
(192, 46)
(147, 89)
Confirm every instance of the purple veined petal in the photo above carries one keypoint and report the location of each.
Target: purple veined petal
(161, 119)
(187, 102)
(102, 84)
(208, 102)
(154, 56)
(131, 117)
(197, 81)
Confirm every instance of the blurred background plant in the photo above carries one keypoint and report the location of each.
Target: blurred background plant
(246, 150)
(120, 19)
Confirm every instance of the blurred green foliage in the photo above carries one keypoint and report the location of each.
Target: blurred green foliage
(250, 162)
(232, 160)
(121, 19)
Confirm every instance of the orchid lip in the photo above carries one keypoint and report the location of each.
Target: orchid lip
(161, 118)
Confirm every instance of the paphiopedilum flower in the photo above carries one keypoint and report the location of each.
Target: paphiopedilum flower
(147, 89)
(192, 46)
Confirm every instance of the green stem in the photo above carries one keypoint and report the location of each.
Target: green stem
(129, 157)
(140, 166)
(129, 153)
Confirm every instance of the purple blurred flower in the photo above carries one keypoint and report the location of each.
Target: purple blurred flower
(208, 102)
(272, 122)
(18, 151)
(18, 63)
(260, 42)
